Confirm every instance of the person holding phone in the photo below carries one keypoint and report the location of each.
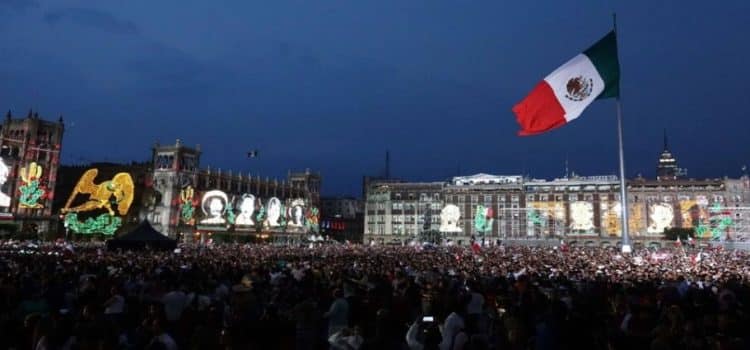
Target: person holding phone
(423, 334)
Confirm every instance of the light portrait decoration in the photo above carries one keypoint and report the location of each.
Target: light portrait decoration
(247, 209)
(31, 191)
(114, 197)
(274, 209)
(214, 205)
(4, 172)
(449, 217)
(581, 216)
(187, 205)
(661, 216)
(296, 214)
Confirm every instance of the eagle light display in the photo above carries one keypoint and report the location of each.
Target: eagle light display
(112, 196)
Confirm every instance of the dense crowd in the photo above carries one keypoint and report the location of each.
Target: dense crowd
(63, 296)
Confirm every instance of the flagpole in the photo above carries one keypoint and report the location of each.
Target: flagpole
(623, 183)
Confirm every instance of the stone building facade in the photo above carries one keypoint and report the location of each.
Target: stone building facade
(176, 168)
(29, 159)
(513, 207)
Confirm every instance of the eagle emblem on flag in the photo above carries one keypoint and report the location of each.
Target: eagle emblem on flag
(579, 88)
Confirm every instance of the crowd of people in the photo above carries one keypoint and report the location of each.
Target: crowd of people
(231, 296)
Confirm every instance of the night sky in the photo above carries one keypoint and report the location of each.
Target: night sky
(330, 85)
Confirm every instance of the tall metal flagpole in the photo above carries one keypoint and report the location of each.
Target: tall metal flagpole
(623, 183)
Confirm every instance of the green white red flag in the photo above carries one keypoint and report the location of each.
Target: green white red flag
(563, 95)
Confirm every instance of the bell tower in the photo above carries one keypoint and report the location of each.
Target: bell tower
(175, 167)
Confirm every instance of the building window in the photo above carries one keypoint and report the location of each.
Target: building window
(398, 196)
(436, 196)
(514, 198)
(474, 199)
(487, 198)
(543, 197)
(423, 197)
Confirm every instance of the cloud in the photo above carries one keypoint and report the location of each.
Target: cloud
(162, 67)
(18, 5)
(91, 18)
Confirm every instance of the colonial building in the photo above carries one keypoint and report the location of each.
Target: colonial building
(513, 207)
(29, 158)
(186, 199)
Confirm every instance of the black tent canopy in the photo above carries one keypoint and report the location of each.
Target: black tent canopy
(142, 236)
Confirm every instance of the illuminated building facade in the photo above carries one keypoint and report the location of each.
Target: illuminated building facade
(513, 207)
(184, 199)
(29, 159)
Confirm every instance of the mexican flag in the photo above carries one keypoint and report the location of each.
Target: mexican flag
(565, 93)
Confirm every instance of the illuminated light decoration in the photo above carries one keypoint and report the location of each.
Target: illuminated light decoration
(661, 215)
(104, 223)
(214, 206)
(611, 213)
(261, 216)
(718, 225)
(483, 219)
(536, 218)
(187, 205)
(636, 218)
(296, 214)
(229, 212)
(449, 217)
(31, 190)
(545, 217)
(101, 195)
(274, 208)
(312, 217)
(4, 171)
(693, 212)
(581, 216)
(247, 209)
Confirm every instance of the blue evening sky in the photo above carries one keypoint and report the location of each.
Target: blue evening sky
(330, 85)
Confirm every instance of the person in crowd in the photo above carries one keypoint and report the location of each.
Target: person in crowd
(225, 296)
